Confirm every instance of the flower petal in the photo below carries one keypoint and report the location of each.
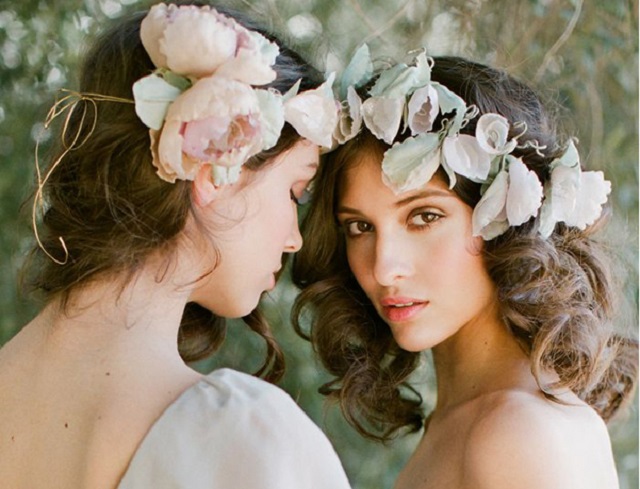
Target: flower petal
(464, 155)
(450, 102)
(216, 121)
(411, 164)
(492, 131)
(382, 116)
(489, 217)
(525, 192)
(253, 61)
(592, 195)
(350, 120)
(422, 109)
(314, 113)
(152, 30)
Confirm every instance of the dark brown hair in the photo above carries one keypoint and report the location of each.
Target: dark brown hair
(556, 295)
(106, 201)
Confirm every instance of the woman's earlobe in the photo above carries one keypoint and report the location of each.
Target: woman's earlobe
(204, 191)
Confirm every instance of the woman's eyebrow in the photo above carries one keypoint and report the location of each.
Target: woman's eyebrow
(424, 194)
(343, 209)
(347, 210)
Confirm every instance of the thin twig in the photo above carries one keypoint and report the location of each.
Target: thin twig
(561, 40)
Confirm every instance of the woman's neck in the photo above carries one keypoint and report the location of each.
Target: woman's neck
(108, 321)
(482, 357)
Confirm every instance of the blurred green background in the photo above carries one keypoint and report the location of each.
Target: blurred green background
(582, 55)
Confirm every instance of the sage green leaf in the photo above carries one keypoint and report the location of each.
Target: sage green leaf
(153, 95)
(411, 164)
(450, 102)
(271, 116)
(358, 71)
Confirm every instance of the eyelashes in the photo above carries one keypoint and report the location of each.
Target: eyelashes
(419, 220)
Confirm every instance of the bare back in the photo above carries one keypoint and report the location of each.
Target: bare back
(74, 420)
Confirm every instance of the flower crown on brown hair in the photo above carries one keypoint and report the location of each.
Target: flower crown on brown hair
(511, 193)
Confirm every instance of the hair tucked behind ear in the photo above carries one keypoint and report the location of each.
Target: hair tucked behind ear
(108, 205)
(556, 295)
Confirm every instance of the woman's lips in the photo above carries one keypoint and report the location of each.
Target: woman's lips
(397, 309)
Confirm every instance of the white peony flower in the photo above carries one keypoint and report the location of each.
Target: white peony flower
(492, 131)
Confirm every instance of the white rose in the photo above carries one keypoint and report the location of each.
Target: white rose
(492, 131)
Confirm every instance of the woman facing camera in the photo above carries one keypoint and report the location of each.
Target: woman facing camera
(454, 219)
(166, 208)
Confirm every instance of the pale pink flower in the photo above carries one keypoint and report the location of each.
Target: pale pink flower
(198, 42)
(216, 121)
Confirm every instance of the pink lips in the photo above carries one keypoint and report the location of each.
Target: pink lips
(396, 309)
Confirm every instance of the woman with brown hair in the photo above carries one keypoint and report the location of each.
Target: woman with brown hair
(454, 219)
(166, 208)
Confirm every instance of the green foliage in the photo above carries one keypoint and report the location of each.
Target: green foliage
(582, 55)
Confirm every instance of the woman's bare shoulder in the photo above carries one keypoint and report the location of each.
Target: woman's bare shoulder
(524, 440)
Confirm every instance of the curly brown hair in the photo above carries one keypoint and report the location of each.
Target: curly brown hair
(556, 295)
(106, 200)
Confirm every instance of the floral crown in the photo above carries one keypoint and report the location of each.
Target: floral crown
(200, 104)
(511, 194)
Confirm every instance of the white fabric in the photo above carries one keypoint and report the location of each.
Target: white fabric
(234, 431)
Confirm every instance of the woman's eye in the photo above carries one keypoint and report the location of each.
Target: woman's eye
(356, 228)
(424, 218)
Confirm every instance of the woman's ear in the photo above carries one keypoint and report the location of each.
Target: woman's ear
(204, 191)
